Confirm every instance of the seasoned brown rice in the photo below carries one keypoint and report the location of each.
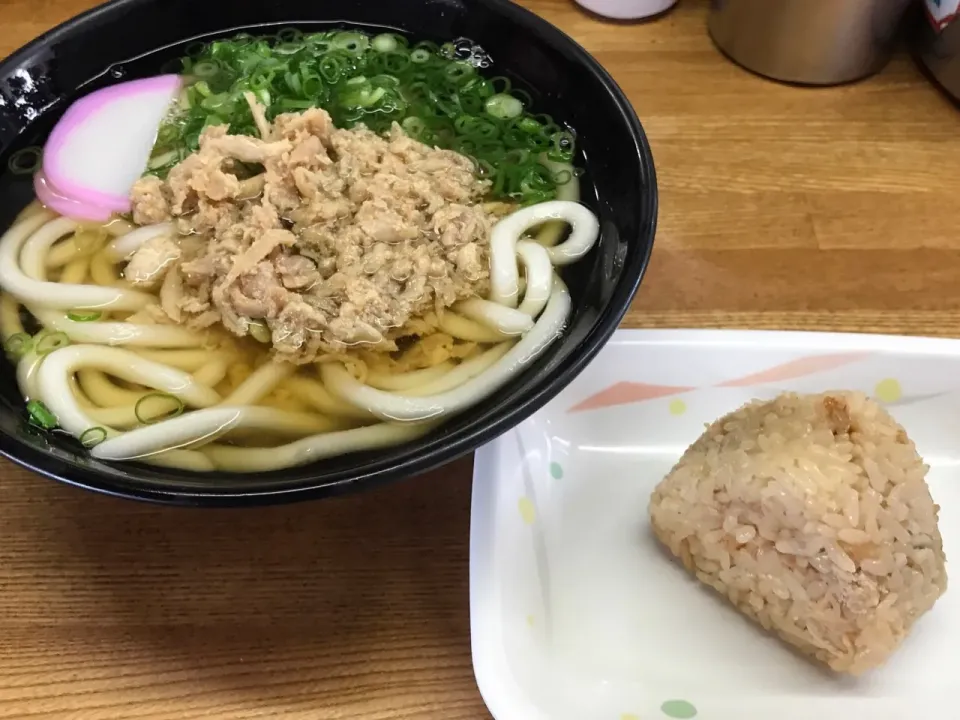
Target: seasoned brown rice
(812, 515)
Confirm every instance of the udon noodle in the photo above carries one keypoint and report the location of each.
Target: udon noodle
(91, 375)
(96, 357)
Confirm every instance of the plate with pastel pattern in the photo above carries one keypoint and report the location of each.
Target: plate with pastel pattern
(576, 611)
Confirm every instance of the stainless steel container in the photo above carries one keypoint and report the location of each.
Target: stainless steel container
(814, 42)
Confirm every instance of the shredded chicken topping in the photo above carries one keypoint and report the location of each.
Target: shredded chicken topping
(324, 239)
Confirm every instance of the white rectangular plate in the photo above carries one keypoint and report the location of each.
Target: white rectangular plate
(576, 612)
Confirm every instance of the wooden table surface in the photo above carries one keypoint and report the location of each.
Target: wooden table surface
(780, 208)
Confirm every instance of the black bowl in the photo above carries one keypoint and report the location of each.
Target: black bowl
(130, 38)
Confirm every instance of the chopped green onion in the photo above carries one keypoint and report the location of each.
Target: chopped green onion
(436, 94)
(296, 105)
(25, 161)
(213, 120)
(395, 62)
(290, 48)
(47, 343)
(91, 437)
(481, 87)
(216, 102)
(293, 82)
(18, 345)
(205, 69)
(466, 146)
(563, 144)
(530, 125)
(331, 68)
(476, 128)
(352, 42)
(166, 135)
(503, 107)
(523, 96)
(363, 98)
(162, 413)
(385, 43)
(419, 92)
(549, 126)
(41, 416)
(505, 86)
(84, 315)
(517, 156)
(448, 105)
(312, 85)
(259, 331)
(420, 56)
(459, 72)
(384, 81)
(413, 126)
(287, 35)
(162, 160)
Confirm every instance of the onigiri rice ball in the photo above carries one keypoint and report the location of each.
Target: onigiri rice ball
(812, 515)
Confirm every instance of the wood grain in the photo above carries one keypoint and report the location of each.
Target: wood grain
(780, 208)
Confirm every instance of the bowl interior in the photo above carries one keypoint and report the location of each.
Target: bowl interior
(136, 38)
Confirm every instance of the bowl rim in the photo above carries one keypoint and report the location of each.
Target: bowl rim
(416, 462)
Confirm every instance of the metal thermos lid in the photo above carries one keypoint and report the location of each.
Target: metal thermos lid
(815, 42)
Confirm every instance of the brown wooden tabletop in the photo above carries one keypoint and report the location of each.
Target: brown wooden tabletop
(780, 208)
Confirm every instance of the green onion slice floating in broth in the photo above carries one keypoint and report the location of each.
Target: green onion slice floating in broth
(18, 345)
(25, 161)
(41, 416)
(205, 69)
(260, 332)
(48, 342)
(504, 107)
(385, 43)
(91, 437)
(421, 56)
(167, 406)
(351, 42)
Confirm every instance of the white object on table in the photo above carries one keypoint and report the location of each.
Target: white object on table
(576, 612)
(627, 9)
